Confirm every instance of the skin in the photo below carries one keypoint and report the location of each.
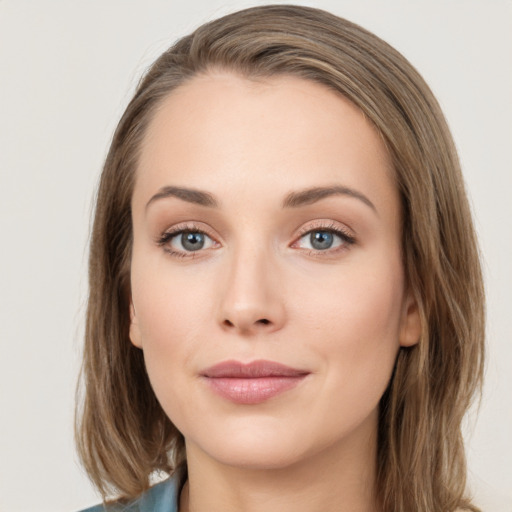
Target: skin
(260, 290)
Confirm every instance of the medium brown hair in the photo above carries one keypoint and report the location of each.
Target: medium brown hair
(124, 436)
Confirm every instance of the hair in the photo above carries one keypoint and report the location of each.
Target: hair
(124, 436)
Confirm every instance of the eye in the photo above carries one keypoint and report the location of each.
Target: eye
(182, 242)
(324, 240)
(191, 241)
(320, 240)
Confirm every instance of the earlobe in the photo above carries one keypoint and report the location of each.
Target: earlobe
(410, 329)
(135, 336)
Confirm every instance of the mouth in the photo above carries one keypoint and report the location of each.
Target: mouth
(252, 383)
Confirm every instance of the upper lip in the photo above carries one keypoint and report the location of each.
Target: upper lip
(252, 370)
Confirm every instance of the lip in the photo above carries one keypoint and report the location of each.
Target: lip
(252, 383)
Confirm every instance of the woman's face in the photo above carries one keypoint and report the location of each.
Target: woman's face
(267, 285)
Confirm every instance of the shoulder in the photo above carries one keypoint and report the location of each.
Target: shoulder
(162, 497)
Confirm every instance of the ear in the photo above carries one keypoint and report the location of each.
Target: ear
(410, 326)
(135, 336)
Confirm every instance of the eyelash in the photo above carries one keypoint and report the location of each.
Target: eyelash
(167, 236)
(347, 239)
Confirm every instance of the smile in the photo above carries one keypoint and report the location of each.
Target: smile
(252, 383)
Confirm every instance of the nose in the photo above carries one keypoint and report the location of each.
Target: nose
(252, 301)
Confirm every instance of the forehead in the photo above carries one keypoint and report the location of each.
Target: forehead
(223, 132)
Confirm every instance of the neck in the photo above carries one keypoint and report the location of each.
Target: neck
(339, 478)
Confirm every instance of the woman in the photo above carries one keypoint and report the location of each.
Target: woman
(286, 305)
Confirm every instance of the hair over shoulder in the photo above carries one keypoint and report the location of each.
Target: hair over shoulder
(123, 435)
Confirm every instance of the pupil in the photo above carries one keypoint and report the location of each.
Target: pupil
(192, 241)
(321, 239)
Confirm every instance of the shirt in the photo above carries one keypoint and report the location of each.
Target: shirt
(162, 497)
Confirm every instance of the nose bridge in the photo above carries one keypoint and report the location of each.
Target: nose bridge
(251, 300)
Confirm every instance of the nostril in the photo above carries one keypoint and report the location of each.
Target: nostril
(243, 325)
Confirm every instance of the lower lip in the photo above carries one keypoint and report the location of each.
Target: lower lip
(252, 390)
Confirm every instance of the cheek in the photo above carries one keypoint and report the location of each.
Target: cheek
(364, 296)
(355, 322)
(170, 311)
(173, 312)
(171, 303)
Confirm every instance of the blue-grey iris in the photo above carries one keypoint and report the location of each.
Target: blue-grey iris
(192, 241)
(321, 240)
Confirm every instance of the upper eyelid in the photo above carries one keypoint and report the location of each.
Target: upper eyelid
(188, 226)
(317, 224)
(327, 225)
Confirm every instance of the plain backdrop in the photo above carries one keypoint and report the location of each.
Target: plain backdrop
(68, 69)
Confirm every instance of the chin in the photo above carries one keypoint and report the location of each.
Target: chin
(255, 445)
(256, 456)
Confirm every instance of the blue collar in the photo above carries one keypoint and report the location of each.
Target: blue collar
(162, 497)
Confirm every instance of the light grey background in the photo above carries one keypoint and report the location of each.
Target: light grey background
(67, 70)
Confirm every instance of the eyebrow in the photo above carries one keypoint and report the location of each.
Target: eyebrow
(312, 195)
(292, 200)
(186, 194)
